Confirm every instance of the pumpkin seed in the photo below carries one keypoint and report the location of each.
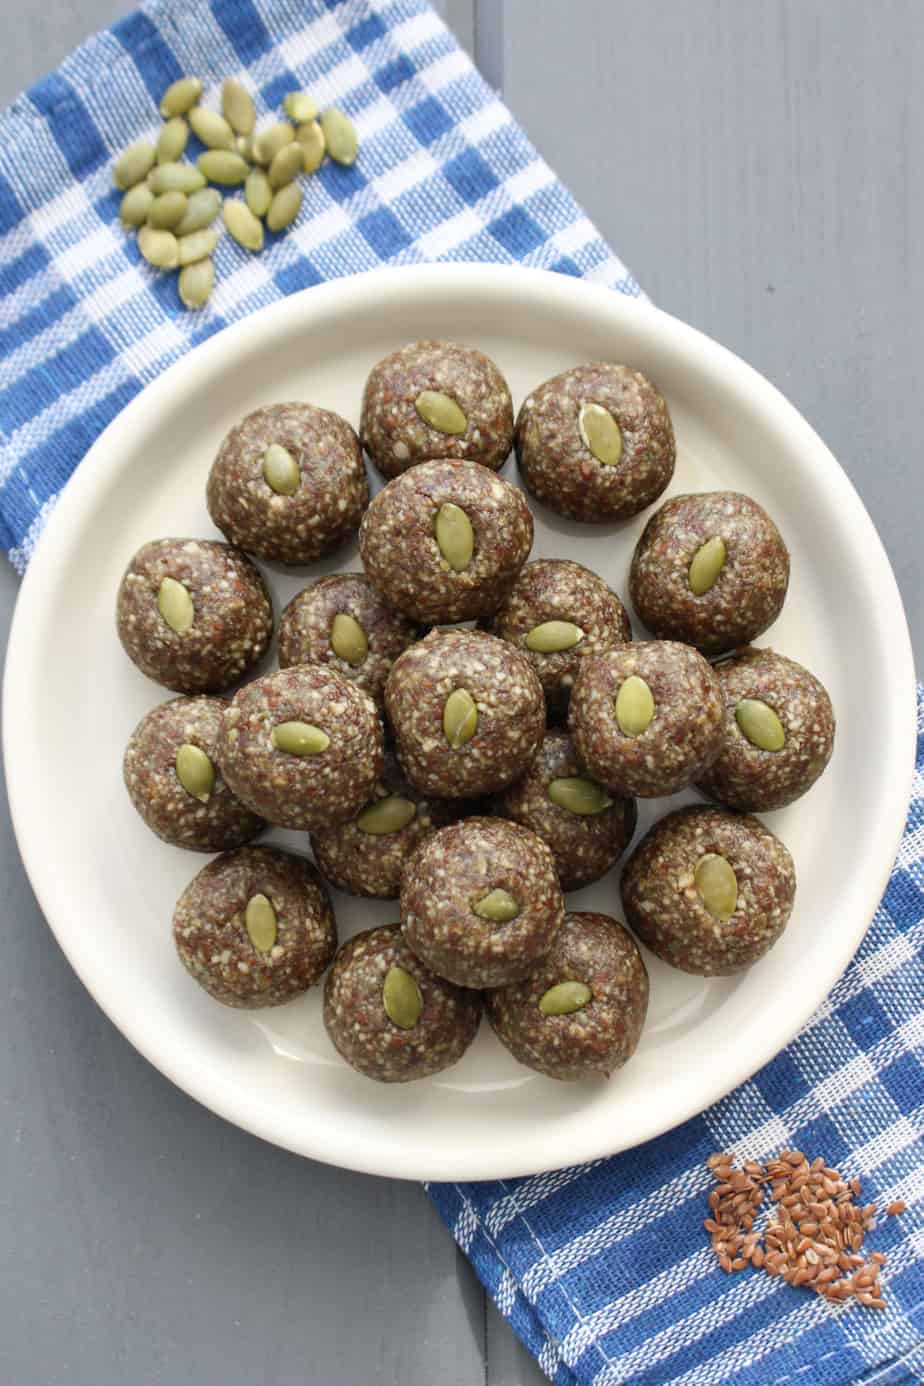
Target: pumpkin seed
(311, 138)
(196, 283)
(244, 146)
(339, 136)
(553, 636)
(237, 106)
(717, 885)
(388, 815)
(708, 562)
(223, 166)
(285, 207)
(268, 143)
(171, 142)
(300, 739)
(260, 921)
(202, 207)
(634, 706)
(159, 248)
(195, 772)
(460, 718)
(175, 605)
(257, 192)
(300, 107)
(565, 998)
(760, 724)
(175, 177)
(280, 470)
(246, 229)
(440, 412)
(498, 905)
(401, 998)
(600, 433)
(135, 205)
(348, 639)
(211, 128)
(167, 211)
(133, 164)
(577, 795)
(198, 245)
(286, 165)
(455, 537)
(179, 96)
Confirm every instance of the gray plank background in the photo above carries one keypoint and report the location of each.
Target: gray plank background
(757, 163)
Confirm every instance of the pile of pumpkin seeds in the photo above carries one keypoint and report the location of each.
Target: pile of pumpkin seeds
(168, 201)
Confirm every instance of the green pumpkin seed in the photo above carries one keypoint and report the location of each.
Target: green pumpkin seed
(195, 772)
(237, 106)
(388, 815)
(440, 412)
(553, 636)
(577, 795)
(202, 207)
(198, 245)
(498, 906)
(300, 107)
(179, 96)
(455, 537)
(285, 207)
(300, 739)
(708, 562)
(223, 166)
(171, 142)
(244, 146)
(760, 724)
(159, 248)
(211, 128)
(268, 143)
(339, 136)
(311, 138)
(168, 210)
(280, 470)
(401, 998)
(634, 706)
(175, 605)
(175, 178)
(565, 998)
(260, 921)
(600, 433)
(460, 718)
(348, 639)
(134, 164)
(257, 192)
(196, 283)
(246, 229)
(717, 885)
(286, 165)
(135, 205)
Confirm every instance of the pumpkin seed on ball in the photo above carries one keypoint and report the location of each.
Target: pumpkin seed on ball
(401, 998)
(440, 411)
(300, 739)
(707, 564)
(388, 815)
(195, 772)
(634, 706)
(175, 605)
(498, 905)
(280, 470)
(460, 718)
(551, 637)
(260, 922)
(600, 433)
(577, 795)
(348, 639)
(565, 998)
(716, 885)
(455, 537)
(760, 724)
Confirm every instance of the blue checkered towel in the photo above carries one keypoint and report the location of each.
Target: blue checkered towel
(603, 1270)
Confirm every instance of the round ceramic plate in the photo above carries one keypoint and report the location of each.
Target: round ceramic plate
(108, 887)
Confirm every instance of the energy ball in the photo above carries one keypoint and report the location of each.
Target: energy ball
(586, 828)
(467, 712)
(367, 855)
(444, 542)
(481, 903)
(582, 1011)
(596, 442)
(342, 622)
(303, 748)
(711, 570)
(193, 614)
(557, 613)
(255, 927)
(436, 399)
(172, 777)
(647, 719)
(389, 1016)
(779, 732)
(288, 483)
(709, 891)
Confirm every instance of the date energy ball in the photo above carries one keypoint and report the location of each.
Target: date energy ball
(342, 622)
(367, 855)
(288, 483)
(709, 891)
(779, 732)
(711, 570)
(557, 613)
(193, 614)
(467, 712)
(389, 1016)
(444, 542)
(436, 399)
(581, 1012)
(172, 777)
(596, 443)
(255, 927)
(481, 903)
(647, 718)
(586, 828)
(303, 747)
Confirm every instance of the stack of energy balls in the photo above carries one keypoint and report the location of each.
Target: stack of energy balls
(473, 773)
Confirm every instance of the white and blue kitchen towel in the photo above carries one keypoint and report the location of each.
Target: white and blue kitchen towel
(603, 1270)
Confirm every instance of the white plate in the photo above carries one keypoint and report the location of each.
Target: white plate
(107, 886)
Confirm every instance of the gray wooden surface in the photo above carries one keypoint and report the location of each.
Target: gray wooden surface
(757, 163)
